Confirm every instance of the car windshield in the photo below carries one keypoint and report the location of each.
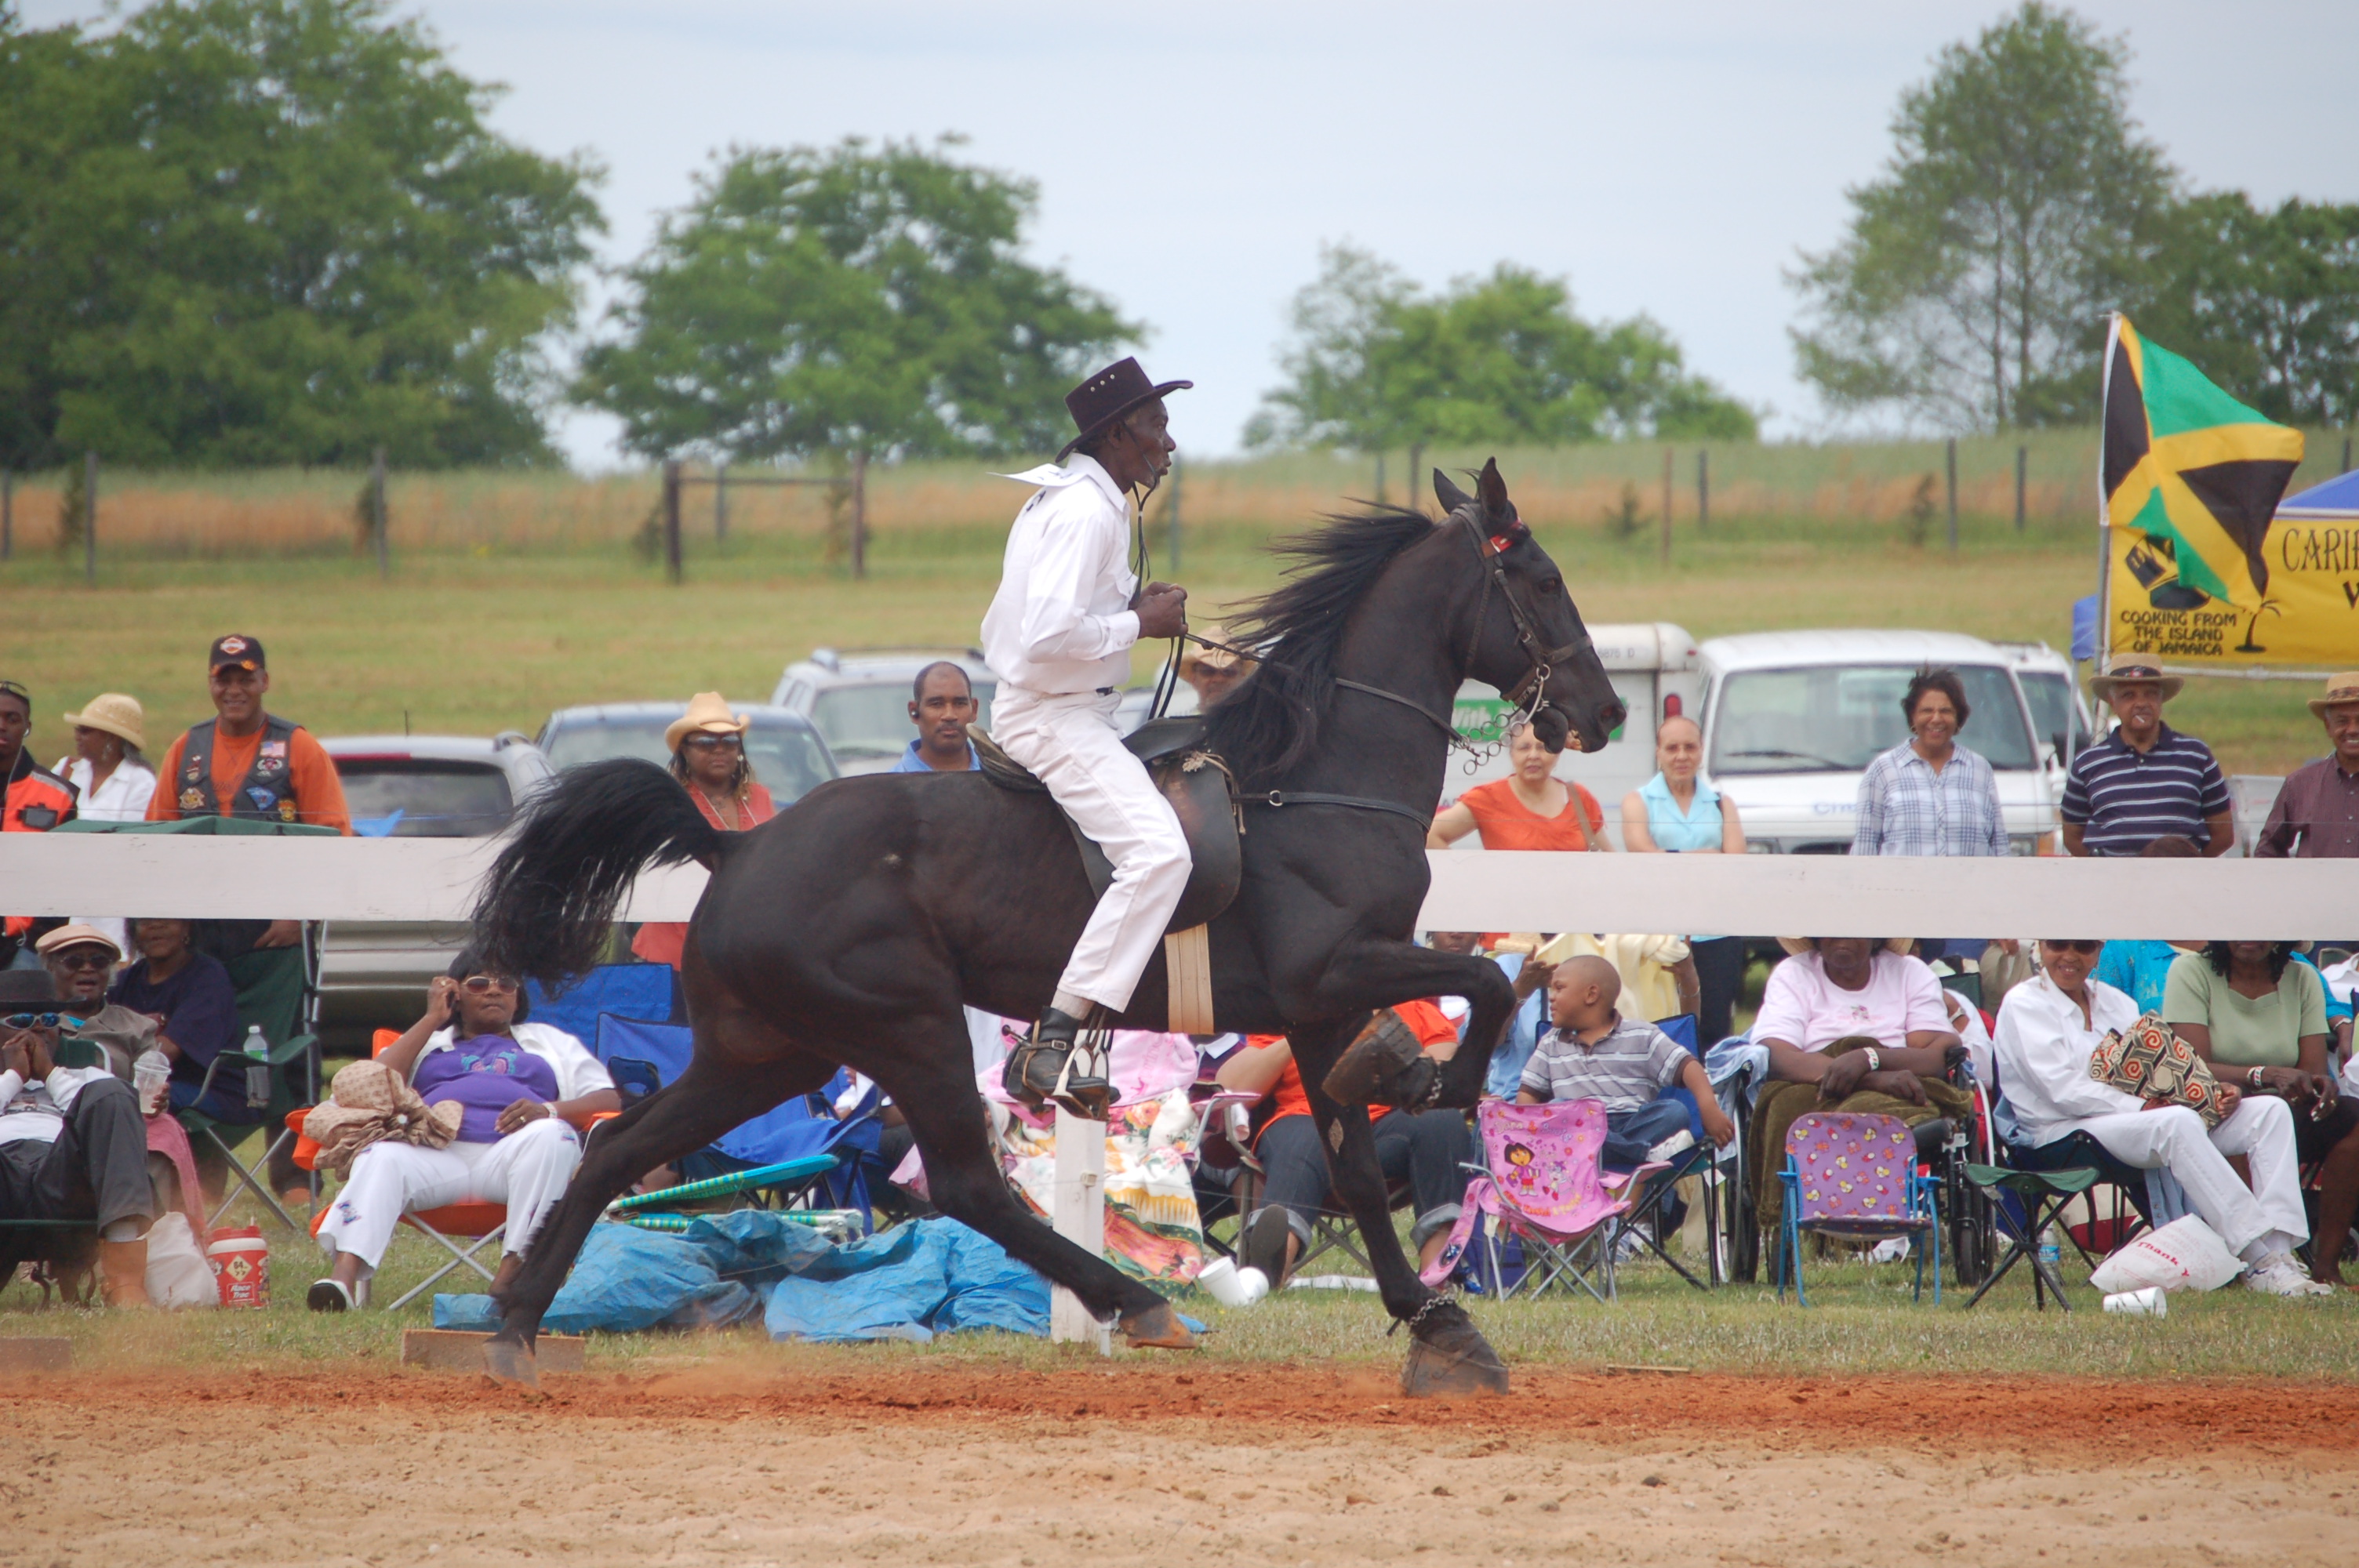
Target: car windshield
(786, 757)
(2051, 697)
(416, 797)
(1836, 718)
(870, 721)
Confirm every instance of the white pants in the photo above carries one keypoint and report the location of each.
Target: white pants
(2254, 1221)
(527, 1170)
(1070, 741)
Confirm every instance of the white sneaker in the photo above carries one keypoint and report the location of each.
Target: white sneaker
(1633, 1243)
(2278, 1275)
(1678, 1143)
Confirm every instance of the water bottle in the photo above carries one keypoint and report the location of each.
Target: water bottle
(149, 1076)
(258, 1067)
(2049, 1253)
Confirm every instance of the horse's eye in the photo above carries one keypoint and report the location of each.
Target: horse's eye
(1553, 585)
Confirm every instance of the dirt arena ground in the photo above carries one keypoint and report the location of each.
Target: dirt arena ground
(740, 1464)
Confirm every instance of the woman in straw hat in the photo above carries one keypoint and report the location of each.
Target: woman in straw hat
(707, 757)
(111, 781)
(1213, 672)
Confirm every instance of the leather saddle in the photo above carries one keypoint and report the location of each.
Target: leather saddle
(1202, 793)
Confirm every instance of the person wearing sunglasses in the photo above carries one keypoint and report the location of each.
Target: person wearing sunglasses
(521, 1088)
(2049, 1026)
(707, 757)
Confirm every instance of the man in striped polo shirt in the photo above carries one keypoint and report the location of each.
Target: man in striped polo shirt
(2145, 781)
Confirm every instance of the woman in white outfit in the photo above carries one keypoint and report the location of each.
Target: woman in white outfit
(113, 782)
(2047, 1028)
(520, 1086)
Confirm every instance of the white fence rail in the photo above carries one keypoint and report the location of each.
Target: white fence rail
(1821, 895)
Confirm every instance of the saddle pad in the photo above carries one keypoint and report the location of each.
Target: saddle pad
(2150, 1062)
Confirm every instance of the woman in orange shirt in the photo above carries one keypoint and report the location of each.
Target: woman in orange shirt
(707, 757)
(1532, 808)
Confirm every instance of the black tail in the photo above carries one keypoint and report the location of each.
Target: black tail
(548, 901)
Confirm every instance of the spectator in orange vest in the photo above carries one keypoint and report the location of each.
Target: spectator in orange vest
(32, 800)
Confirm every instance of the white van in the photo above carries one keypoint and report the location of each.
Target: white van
(1657, 672)
(1792, 719)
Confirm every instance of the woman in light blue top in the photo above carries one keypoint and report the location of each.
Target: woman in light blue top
(1677, 813)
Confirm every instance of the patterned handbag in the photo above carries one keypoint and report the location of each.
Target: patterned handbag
(2150, 1062)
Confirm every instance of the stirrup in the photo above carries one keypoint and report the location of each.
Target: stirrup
(1039, 1071)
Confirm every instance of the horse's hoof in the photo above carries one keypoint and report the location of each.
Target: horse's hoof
(511, 1365)
(1158, 1329)
(1449, 1358)
(1386, 1066)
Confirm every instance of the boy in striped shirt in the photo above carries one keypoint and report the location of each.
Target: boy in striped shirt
(1594, 1054)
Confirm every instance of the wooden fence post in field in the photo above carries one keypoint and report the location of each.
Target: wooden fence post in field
(859, 514)
(2346, 452)
(90, 517)
(2022, 472)
(672, 518)
(379, 523)
(1703, 489)
(7, 514)
(1172, 517)
(1666, 506)
(1951, 466)
(1380, 476)
(719, 503)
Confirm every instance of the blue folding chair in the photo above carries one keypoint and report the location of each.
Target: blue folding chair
(637, 1051)
(632, 991)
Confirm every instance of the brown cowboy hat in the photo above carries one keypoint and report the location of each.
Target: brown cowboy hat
(2340, 690)
(2104, 686)
(1109, 394)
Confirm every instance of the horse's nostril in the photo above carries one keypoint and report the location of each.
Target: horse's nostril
(1610, 717)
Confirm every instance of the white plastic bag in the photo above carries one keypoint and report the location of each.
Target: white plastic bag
(177, 1275)
(2185, 1255)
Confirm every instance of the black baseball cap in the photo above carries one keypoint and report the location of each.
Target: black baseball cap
(238, 649)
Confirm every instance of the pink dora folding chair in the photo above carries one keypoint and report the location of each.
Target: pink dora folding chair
(1542, 1181)
(1855, 1176)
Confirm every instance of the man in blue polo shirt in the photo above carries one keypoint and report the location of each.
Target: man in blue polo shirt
(941, 705)
(2145, 781)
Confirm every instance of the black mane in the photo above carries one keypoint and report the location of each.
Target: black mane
(1270, 723)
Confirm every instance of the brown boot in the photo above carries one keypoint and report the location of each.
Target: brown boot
(126, 1263)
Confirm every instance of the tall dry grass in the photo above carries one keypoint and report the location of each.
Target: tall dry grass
(1857, 489)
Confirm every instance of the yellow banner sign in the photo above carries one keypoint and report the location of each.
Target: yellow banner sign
(2308, 615)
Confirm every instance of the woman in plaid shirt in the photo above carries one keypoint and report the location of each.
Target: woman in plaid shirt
(1928, 795)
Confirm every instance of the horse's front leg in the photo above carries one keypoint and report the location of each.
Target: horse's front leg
(1448, 1355)
(1380, 972)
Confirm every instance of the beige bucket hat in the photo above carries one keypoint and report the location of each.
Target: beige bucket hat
(119, 716)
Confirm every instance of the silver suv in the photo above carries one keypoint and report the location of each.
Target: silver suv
(373, 973)
(858, 698)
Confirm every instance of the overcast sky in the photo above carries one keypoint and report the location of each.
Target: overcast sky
(1192, 158)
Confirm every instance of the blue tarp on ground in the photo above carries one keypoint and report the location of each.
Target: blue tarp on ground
(932, 1277)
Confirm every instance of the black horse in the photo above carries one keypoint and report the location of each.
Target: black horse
(852, 927)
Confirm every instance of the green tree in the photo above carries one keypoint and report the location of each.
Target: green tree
(2266, 302)
(2018, 203)
(247, 231)
(851, 300)
(1377, 363)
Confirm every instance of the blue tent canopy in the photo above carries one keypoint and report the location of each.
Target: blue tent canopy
(2338, 497)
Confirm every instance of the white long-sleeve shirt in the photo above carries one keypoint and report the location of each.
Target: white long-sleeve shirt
(1062, 620)
(36, 1110)
(2042, 1049)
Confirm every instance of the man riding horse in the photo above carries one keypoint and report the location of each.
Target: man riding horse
(1059, 636)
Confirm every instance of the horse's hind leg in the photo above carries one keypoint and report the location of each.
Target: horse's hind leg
(963, 1179)
(1447, 1355)
(699, 1106)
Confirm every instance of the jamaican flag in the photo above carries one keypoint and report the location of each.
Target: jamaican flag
(2191, 480)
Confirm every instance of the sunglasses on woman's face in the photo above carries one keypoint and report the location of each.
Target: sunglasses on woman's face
(714, 742)
(83, 958)
(483, 985)
(2083, 948)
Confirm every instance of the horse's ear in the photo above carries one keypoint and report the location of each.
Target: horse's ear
(1449, 494)
(1493, 488)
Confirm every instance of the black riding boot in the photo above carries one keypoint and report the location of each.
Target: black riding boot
(1035, 1067)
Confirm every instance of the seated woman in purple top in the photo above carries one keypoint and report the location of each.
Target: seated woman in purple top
(519, 1087)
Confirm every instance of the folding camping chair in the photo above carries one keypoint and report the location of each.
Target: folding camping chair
(278, 992)
(627, 991)
(1855, 1176)
(1701, 1160)
(1543, 1183)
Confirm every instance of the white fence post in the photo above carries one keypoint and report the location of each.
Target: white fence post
(1079, 1215)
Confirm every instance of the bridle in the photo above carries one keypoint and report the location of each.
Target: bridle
(1540, 658)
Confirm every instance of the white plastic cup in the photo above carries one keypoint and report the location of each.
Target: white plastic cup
(1255, 1284)
(2149, 1303)
(1221, 1278)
